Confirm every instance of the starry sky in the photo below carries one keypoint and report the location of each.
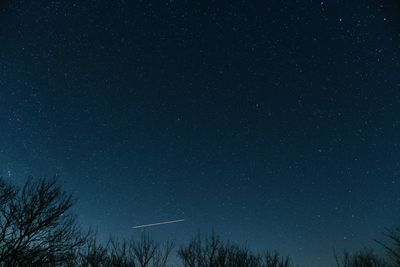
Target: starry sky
(276, 123)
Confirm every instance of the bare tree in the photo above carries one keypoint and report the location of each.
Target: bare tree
(92, 254)
(362, 258)
(193, 255)
(36, 226)
(273, 259)
(144, 250)
(162, 254)
(211, 251)
(392, 245)
(147, 252)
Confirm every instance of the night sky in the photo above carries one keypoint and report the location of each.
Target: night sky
(277, 123)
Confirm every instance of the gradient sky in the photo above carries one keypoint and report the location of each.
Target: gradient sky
(274, 122)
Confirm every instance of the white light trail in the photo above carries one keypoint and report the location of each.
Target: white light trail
(156, 224)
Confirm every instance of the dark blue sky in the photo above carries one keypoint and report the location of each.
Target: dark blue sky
(274, 122)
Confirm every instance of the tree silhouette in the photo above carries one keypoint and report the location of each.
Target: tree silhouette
(211, 251)
(93, 254)
(362, 258)
(36, 227)
(145, 252)
(392, 245)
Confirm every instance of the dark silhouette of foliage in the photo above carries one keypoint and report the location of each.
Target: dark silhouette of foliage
(211, 251)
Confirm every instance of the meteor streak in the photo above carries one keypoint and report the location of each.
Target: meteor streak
(156, 224)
